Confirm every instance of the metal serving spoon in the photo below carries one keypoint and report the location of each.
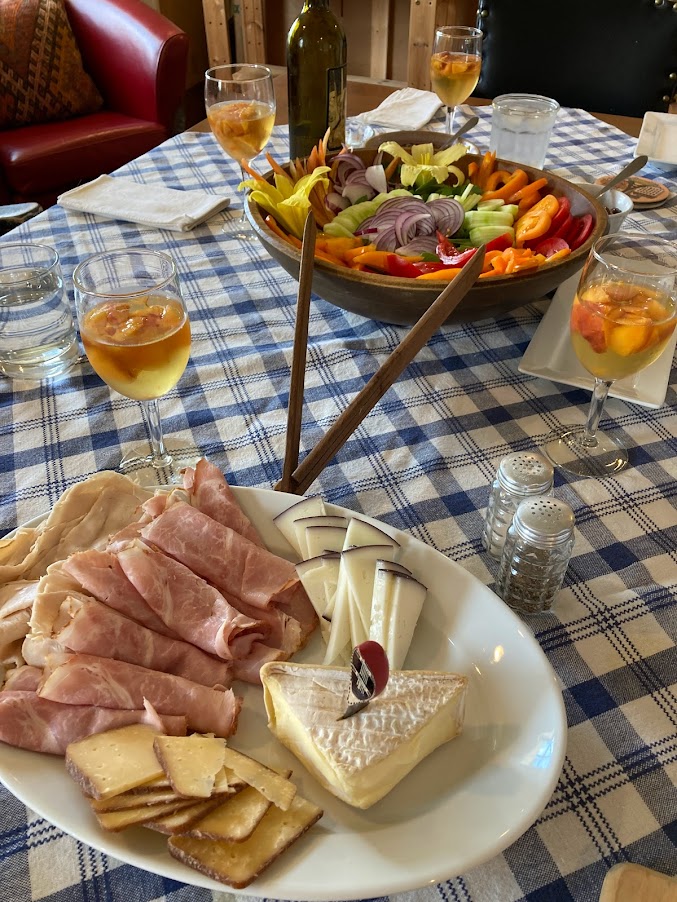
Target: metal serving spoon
(628, 169)
(471, 123)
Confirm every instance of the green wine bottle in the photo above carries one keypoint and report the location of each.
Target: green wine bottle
(316, 79)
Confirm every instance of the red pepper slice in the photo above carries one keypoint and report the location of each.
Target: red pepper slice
(429, 266)
(400, 266)
(586, 224)
(500, 243)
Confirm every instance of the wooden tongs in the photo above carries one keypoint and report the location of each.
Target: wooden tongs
(297, 477)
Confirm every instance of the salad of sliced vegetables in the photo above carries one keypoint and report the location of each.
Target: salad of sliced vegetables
(419, 216)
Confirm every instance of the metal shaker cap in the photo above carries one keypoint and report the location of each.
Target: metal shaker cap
(544, 521)
(526, 473)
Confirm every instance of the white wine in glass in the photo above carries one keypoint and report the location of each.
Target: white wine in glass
(240, 105)
(622, 318)
(136, 335)
(455, 66)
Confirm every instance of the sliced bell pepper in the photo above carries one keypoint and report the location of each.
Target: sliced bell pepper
(351, 256)
(375, 260)
(487, 166)
(498, 178)
(443, 275)
(528, 201)
(517, 181)
(553, 258)
(500, 243)
(527, 189)
(403, 266)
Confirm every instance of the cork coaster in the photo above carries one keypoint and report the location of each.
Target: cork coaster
(644, 193)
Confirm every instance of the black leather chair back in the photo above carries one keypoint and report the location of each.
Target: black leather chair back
(605, 56)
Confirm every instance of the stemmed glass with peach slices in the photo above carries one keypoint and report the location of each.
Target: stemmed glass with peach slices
(623, 316)
(136, 334)
(455, 66)
(240, 105)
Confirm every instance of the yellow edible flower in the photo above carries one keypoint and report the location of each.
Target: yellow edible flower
(423, 161)
(286, 201)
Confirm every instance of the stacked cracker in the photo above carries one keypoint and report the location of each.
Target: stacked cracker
(227, 815)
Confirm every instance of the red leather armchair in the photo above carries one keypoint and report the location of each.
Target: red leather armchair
(138, 60)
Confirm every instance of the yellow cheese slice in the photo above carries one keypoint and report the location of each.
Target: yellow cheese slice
(276, 788)
(191, 763)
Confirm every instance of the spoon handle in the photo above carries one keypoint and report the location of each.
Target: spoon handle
(628, 169)
(470, 123)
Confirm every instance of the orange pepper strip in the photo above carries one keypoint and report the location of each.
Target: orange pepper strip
(473, 169)
(553, 258)
(352, 256)
(440, 275)
(499, 264)
(489, 257)
(500, 177)
(338, 245)
(527, 189)
(274, 227)
(329, 258)
(487, 166)
(492, 272)
(518, 180)
(528, 201)
(375, 260)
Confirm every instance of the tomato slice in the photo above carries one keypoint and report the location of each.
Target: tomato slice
(586, 225)
(550, 246)
(564, 228)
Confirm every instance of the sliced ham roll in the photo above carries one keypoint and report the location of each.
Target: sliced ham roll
(107, 683)
(24, 677)
(30, 722)
(222, 556)
(100, 574)
(188, 605)
(210, 493)
(96, 629)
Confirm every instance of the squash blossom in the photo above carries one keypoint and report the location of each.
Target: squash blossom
(287, 202)
(423, 164)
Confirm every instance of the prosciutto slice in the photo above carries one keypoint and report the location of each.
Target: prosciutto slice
(107, 683)
(96, 629)
(100, 574)
(188, 605)
(30, 722)
(210, 493)
(23, 677)
(222, 556)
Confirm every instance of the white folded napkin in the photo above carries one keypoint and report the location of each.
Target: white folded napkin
(407, 110)
(149, 205)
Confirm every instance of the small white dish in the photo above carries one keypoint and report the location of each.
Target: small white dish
(612, 200)
(551, 356)
(658, 139)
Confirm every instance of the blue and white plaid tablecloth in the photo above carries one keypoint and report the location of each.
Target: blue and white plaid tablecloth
(422, 461)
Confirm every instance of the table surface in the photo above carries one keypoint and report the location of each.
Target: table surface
(422, 461)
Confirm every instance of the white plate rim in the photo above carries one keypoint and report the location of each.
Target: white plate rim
(305, 872)
(558, 363)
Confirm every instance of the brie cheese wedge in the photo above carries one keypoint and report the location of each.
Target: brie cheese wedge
(360, 759)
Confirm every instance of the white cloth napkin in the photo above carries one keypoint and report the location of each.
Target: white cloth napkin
(149, 205)
(407, 109)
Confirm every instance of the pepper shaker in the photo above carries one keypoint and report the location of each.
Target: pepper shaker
(536, 554)
(521, 475)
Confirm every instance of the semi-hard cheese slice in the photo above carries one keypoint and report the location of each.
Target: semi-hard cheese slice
(106, 764)
(361, 758)
(191, 763)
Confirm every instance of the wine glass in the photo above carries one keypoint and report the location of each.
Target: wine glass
(455, 66)
(623, 315)
(240, 104)
(136, 334)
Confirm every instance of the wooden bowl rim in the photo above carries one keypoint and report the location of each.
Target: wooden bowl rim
(395, 282)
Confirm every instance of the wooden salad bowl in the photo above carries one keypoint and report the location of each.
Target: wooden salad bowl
(403, 301)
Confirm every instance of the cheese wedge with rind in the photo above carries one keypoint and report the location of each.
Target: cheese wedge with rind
(360, 759)
(191, 763)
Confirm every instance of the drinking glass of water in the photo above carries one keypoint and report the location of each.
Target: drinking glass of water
(37, 334)
(521, 125)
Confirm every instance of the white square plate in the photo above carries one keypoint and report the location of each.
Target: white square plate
(658, 139)
(551, 356)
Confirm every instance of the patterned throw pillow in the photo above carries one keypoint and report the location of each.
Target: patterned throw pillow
(41, 73)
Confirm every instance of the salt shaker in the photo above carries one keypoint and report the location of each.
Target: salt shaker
(536, 554)
(521, 475)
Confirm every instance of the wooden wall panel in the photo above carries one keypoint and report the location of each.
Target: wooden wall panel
(216, 31)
